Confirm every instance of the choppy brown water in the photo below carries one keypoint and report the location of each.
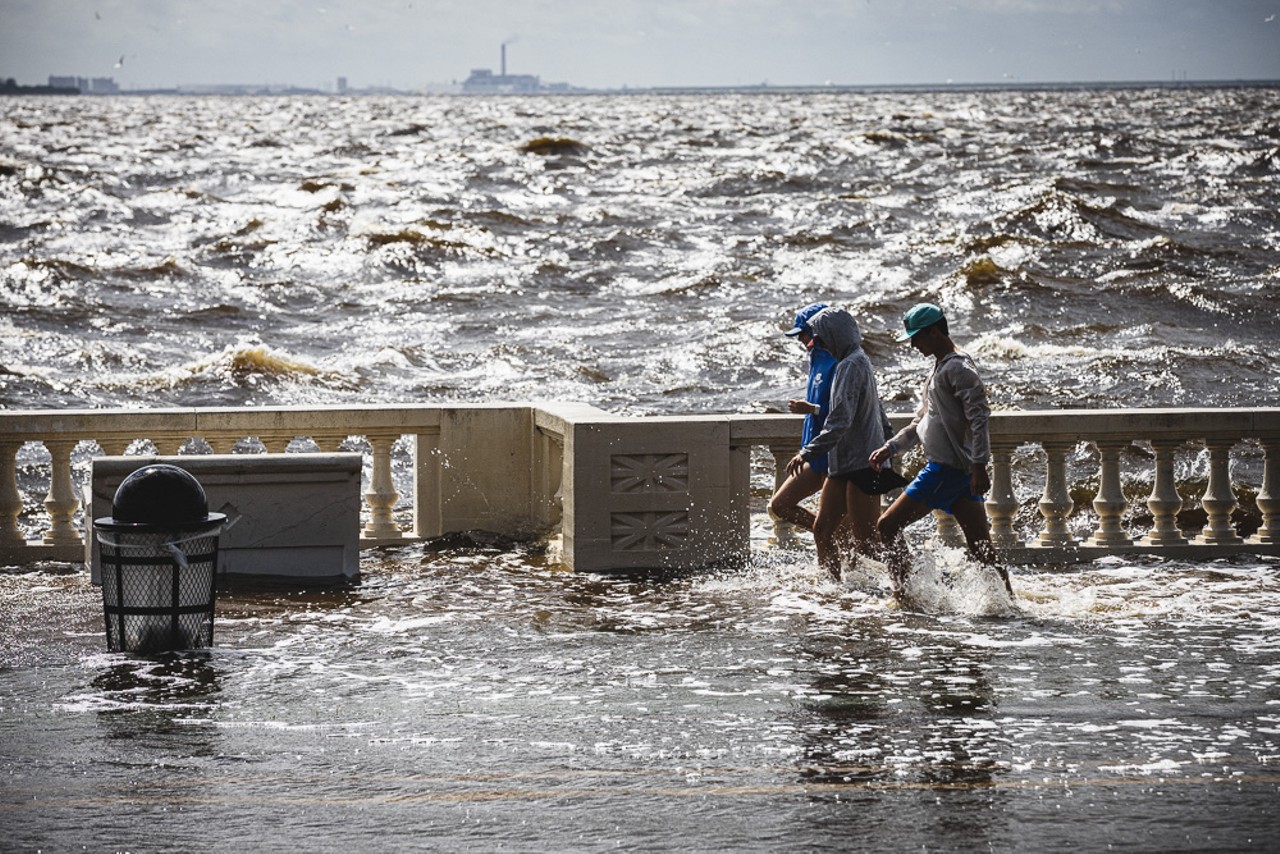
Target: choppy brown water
(1095, 248)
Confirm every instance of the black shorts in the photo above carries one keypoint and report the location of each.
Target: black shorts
(874, 481)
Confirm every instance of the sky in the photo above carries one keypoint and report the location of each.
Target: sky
(413, 44)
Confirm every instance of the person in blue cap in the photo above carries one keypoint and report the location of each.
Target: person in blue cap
(785, 503)
(951, 423)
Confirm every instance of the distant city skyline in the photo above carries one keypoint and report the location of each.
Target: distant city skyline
(416, 44)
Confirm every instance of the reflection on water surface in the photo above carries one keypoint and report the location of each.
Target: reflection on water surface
(480, 698)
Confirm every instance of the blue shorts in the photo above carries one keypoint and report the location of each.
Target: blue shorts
(819, 464)
(940, 486)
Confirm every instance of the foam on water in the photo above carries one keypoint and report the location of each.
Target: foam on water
(292, 215)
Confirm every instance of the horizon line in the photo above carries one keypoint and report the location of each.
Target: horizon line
(567, 89)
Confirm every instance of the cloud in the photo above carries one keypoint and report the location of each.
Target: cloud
(408, 43)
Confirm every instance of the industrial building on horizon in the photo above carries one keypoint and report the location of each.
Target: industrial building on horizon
(484, 82)
(86, 85)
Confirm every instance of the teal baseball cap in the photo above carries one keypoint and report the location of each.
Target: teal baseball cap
(920, 317)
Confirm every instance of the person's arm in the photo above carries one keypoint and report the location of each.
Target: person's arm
(969, 391)
(905, 439)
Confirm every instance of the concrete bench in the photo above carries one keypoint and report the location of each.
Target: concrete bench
(289, 516)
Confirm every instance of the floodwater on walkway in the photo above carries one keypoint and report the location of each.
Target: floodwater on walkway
(480, 698)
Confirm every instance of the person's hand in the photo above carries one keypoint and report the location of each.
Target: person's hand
(880, 456)
(796, 464)
(980, 483)
(801, 407)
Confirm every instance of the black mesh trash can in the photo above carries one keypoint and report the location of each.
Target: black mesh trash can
(159, 559)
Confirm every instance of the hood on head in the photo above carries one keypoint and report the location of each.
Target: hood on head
(838, 330)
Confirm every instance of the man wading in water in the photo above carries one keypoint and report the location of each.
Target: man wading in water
(952, 424)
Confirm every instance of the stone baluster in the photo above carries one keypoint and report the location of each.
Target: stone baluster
(275, 442)
(1110, 503)
(1219, 499)
(782, 455)
(330, 443)
(784, 533)
(61, 502)
(114, 446)
(1269, 495)
(382, 495)
(1056, 504)
(1165, 502)
(168, 443)
(10, 496)
(1002, 504)
(948, 529)
(222, 444)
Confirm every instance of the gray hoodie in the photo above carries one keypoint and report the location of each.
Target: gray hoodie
(856, 424)
(952, 419)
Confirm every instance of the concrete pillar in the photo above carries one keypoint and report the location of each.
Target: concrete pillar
(114, 446)
(485, 468)
(426, 485)
(947, 529)
(329, 443)
(547, 477)
(652, 493)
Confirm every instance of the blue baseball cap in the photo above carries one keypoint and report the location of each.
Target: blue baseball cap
(803, 317)
(919, 318)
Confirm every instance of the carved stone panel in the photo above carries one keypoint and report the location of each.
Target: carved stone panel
(649, 473)
(649, 531)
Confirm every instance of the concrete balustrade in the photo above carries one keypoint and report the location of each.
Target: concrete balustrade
(1169, 433)
(643, 493)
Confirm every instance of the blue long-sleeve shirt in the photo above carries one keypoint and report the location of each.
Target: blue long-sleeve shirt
(822, 367)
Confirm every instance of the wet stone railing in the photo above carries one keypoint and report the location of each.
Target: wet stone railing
(1075, 485)
(641, 493)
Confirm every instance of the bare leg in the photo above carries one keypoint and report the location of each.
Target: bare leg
(861, 514)
(831, 515)
(890, 527)
(972, 518)
(785, 503)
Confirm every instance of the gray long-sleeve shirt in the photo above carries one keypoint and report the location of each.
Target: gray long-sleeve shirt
(952, 418)
(856, 424)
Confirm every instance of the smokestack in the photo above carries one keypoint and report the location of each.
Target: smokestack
(504, 59)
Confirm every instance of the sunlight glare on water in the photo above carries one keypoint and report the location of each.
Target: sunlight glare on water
(483, 683)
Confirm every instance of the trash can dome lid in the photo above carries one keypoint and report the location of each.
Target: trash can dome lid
(162, 495)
